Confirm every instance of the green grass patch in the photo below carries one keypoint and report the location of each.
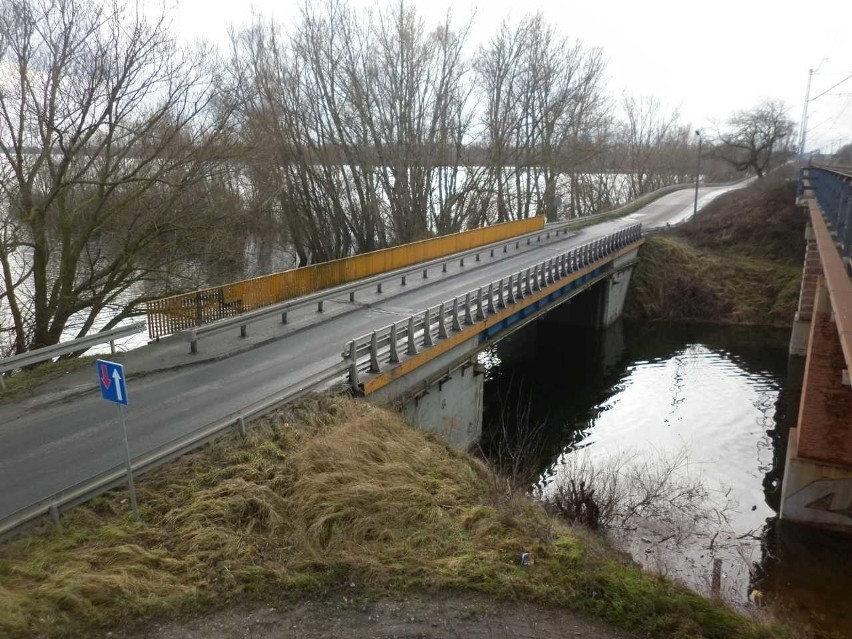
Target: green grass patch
(327, 492)
(21, 384)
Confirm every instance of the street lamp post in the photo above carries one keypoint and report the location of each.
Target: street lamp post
(697, 173)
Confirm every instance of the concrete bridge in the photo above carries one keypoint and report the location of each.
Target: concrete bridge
(817, 484)
(406, 337)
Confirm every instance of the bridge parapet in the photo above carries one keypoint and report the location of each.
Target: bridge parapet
(817, 484)
(391, 352)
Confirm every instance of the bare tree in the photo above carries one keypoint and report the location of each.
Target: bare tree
(753, 137)
(656, 146)
(543, 96)
(106, 127)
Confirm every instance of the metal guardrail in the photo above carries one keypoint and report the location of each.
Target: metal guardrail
(833, 191)
(242, 321)
(83, 491)
(370, 352)
(179, 312)
(64, 348)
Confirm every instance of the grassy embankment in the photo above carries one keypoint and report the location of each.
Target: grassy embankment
(328, 493)
(739, 261)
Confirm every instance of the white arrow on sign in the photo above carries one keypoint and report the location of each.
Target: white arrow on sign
(117, 379)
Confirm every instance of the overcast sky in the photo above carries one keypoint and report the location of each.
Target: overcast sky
(709, 59)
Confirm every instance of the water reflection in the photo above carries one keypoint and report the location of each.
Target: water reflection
(720, 393)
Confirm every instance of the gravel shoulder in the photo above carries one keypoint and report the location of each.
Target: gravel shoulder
(432, 616)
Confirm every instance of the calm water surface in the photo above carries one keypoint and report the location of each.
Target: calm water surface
(722, 397)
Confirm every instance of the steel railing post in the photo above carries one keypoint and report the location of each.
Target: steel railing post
(412, 345)
(442, 327)
(353, 365)
(456, 318)
(374, 353)
(394, 347)
(427, 328)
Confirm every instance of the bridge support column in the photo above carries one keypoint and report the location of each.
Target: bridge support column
(817, 484)
(451, 407)
(615, 293)
(802, 320)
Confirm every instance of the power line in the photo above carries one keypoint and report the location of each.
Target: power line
(831, 87)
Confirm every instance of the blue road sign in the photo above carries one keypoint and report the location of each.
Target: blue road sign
(111, 378)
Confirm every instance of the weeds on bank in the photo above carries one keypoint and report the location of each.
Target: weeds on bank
(21, 384)
(327, 492)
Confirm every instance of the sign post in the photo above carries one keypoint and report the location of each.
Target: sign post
(114, 389)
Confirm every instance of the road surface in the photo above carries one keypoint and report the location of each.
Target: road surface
(48, 448)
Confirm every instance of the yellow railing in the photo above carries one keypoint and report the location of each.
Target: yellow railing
(179, 312)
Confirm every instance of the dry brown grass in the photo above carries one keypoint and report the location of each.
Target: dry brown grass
(738, 262)
(325, 493)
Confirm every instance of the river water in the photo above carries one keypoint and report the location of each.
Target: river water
(712, 405)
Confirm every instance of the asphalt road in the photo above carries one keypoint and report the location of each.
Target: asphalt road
(48, 448)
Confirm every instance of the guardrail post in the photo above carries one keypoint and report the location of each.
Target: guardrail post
(394, 351)
(547, 237)
(442, 327)
(491, 308)
(520, 283)
(241, 426)
(477, 257)
(353, 365)
(517, 245)
(379, 287)
(468, 317)
(456, 319)
(538, 238)
(319, 306)
(351, 296)
(480, 314)
(444, 267)
(403, 280)
(492, 252)
(412, 345)
(427, 328)
(3, 381)
(461, 262)
(54, 513)
(374, 353)
(283, 317)
(425, 273)
(501, 301)
(243, 330)
(505, 248)
(112, 347)
(193, 343)
(528, 241)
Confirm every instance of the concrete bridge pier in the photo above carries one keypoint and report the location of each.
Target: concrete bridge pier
(817, 484)
(451, 407)
(802, 320)
(601, 305)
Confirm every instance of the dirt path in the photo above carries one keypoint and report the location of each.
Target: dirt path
(435, 616)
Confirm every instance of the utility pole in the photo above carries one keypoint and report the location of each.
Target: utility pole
(697, 173)
(805, 114)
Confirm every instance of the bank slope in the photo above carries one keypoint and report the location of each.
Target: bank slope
(327, 493)
(739, 261)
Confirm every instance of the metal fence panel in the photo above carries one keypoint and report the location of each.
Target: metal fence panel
(180, 312)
